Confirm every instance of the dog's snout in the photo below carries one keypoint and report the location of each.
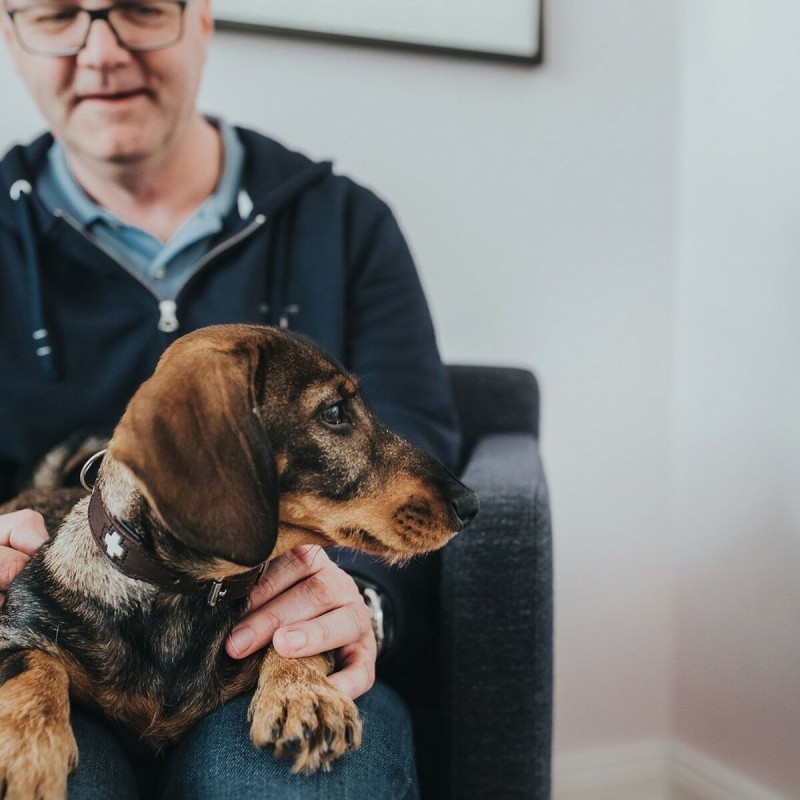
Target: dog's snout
(466, 507)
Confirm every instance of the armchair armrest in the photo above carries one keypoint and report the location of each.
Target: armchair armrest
(496, 627)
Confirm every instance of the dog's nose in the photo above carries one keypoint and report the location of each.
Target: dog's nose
(466, 506)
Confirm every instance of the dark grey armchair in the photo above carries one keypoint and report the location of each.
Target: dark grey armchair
(489, 735)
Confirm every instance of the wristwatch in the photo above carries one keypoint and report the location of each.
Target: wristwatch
(378, 605)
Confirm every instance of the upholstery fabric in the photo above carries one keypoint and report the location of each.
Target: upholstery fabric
(496, 606)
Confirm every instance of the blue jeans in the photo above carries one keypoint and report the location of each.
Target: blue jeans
(216, 761)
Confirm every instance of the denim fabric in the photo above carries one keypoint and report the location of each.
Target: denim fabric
(104, 770)
(216, 761)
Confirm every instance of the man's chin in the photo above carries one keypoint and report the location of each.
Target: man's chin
(126, 158)
(120, 156)
(104, 147)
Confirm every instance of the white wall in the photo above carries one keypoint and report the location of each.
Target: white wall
(737, 390)
(553, 230)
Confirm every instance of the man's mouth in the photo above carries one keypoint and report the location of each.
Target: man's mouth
(112, 97)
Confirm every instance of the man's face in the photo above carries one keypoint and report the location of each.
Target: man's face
(109, 104)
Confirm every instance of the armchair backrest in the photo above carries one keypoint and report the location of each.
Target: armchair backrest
(494, 400)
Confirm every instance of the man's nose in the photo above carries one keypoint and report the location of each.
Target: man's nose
(101, 49)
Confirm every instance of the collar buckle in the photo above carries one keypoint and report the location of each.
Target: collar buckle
(216, 592)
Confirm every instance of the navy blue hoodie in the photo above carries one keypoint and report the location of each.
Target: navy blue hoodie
(315, 248)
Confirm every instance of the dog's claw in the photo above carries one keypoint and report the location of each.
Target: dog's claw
(310, 722)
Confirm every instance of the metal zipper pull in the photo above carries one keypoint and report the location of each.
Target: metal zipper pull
(168, 323)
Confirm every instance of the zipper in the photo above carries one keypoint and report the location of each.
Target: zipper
(167, 309)
(168, 321)
(223, 247)
(75, 225)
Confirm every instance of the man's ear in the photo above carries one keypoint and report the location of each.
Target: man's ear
(12, 45)
(206, 17)
(5, 26)
(200, 455)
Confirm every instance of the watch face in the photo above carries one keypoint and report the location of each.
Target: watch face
(374, 601)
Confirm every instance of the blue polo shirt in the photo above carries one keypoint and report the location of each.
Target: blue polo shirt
(163, 267)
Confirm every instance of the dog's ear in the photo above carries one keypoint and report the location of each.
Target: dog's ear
(199, 453)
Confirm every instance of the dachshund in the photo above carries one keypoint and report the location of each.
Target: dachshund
(246, 442)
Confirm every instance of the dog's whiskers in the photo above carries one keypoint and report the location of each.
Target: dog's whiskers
(295, 557)
(316, 555)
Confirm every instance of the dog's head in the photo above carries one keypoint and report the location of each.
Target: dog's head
(248, 440)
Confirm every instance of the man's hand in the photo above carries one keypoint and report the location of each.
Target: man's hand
(305, 605)
(22, 533)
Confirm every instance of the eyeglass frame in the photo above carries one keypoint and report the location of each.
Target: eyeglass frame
(94, 15)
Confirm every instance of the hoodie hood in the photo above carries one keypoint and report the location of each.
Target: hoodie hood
(19, 164)
(279, 178)
(270, 182)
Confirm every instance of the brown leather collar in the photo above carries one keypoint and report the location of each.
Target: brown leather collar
(123, 546)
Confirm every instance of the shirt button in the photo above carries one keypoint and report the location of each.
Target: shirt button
(160, 273)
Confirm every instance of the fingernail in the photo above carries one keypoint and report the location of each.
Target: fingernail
(296, 639)
(241, 639)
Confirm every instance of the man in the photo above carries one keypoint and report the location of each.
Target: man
(137, 220)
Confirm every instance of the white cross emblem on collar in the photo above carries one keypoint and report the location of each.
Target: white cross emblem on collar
(114, 545)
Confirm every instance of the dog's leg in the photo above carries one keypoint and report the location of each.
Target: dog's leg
(301, 714)
(37, 748)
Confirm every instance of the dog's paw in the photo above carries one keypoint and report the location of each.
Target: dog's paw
(35, 759)
(310, 722)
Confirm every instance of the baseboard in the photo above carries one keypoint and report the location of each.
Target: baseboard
(696, 776)
(629, 772)
(657, 770)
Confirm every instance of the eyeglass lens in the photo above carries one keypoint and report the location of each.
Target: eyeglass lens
(62, 29)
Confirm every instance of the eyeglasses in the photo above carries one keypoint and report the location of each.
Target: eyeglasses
(58, 29)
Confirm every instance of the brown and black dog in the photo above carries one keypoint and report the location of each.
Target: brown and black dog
(246, 442)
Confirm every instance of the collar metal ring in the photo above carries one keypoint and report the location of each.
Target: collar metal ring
(86, 468)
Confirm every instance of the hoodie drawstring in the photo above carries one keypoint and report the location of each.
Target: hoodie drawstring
(20, 193)
(282, 309)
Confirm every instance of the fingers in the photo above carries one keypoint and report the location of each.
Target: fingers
(285, 571)
(358, 671)
(11, 564)
(23, 531)
(338, 628)
(305, 604)
(323, 587)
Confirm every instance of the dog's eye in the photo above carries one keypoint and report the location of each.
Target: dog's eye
(335, 415)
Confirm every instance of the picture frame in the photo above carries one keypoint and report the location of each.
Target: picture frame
(506, 30)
